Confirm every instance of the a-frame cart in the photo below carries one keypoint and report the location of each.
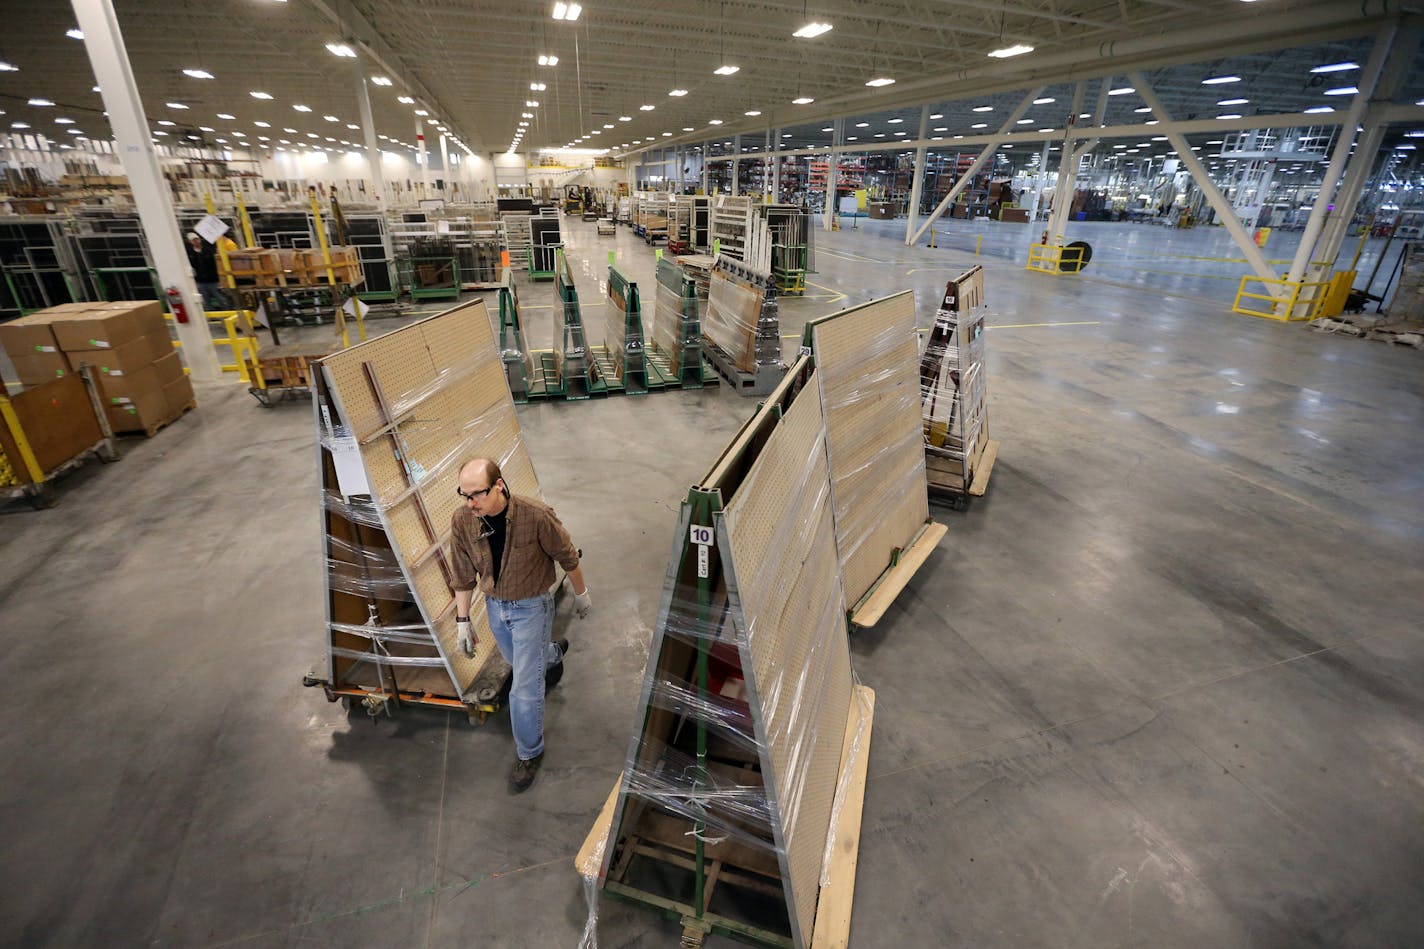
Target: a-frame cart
(620, 361)
(959, 454)
(396, 417)
(744, 782)
(867, 361)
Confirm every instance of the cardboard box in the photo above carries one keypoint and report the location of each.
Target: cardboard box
(28, 336)
(37, 368)
(135, 403)
(58, 421)
(130, 357)
(169, 369)
(108, 325)
(179, 396)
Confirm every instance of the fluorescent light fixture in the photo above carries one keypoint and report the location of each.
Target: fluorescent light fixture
(531, 103)
(1123, 91)
(1342, 91)
(352, 125)
(40, 103)
(567, 11)
(983, 108)
(829, 128)
(895, 121)
(548, 60)
(852, 138)
(1024, 122)
(1336, 67)
(63, 121)
(669, 135)
(405, 100)
(204, 128)
(1043, 101)
(381, 80)
(812, 30)
(260, 95)
(197, 74)
(647, 108)
(421, 112)
(1233, 101)
(980, 125)
(75, 34)
(160, 121)
(226, 117)
(725, 70)
(341, 49)
(942, 128)
(881, 81)
(175, 105)
(685, 128)
(8, 67)
(714, 121)
(752, 112)
(1142, 111)
(290, 131)
(785, 134)
(533, 87)
(1319, 110)
(879, 134)
(1229, 115)
(522, 115)
(1220, 80)
(1016, 50)
(263, 125)
(331, 118)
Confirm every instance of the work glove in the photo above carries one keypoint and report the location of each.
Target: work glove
(467, 638)
(583, 603)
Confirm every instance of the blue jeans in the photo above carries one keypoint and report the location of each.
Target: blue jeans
(522, 631)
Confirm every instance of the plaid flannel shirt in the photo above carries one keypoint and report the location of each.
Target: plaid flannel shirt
(534, 540)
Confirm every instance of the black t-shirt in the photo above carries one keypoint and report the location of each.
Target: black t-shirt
(496, 524)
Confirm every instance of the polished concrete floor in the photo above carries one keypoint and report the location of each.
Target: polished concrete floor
(1162, 687)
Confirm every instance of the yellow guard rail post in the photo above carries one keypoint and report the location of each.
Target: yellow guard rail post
(1307, 297)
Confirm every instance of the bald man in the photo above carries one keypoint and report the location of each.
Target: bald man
(507, 545)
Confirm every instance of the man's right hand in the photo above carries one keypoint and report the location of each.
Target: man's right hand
(466, 637)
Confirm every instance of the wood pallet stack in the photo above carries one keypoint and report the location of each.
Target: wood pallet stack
(958, 451)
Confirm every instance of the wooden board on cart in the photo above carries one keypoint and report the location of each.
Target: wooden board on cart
(867, 361)
(735, 775)
(402, 412)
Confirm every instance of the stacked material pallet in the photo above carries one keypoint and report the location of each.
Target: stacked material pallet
(952, 391)
(140, 376)
(742, 315)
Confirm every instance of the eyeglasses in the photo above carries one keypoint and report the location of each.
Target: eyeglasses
(473, 495)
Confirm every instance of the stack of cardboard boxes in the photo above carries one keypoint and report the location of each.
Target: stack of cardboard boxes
(140, 375)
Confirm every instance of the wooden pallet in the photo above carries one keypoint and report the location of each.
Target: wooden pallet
(877, 600)
(160, 425)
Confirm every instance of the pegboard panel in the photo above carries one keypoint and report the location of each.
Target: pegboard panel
(444, 379)
(399, 359)
(867, 363)
(783, 551)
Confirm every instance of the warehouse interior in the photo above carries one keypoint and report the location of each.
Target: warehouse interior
(1149, 673)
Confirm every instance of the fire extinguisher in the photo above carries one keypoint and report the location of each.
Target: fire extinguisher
(175, 304)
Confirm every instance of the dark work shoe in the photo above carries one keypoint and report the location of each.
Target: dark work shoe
(524, 773)
(554, 673)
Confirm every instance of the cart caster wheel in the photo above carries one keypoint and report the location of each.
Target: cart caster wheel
(310, 682)
(477, 718)
(959, 503)
(108, 454)
(41, 497)
(347, 703)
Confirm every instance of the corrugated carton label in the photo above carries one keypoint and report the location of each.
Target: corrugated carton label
(99, 343)
(111, 372)
(46, 349)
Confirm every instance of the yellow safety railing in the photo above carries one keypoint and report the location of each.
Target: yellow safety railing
(1054, 259)
(1301, 300)
(22, 445)
(241, 344)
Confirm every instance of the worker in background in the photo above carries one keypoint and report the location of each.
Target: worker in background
(507, 545)
(203, 258)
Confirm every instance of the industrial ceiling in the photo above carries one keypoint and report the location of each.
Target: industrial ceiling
(474, 66)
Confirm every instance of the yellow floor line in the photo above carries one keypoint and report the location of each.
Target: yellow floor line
(1018, 326)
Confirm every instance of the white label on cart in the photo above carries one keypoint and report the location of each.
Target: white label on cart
(350, 472)
(702, 536)
(702, 557)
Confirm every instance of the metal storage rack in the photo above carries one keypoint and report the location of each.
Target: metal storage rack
(518, 237)
(37, 264)
(367, 233)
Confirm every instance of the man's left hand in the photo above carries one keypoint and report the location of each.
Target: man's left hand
(583, 603)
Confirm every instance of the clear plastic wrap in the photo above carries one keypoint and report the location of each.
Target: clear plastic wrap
(742, 316)
(952, 389)
(678, 314)
(749, 684)
(364, 570)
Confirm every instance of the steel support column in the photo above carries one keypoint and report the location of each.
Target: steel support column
(1369, 79)
(104, 43)
(736, 163)
(1209, 190)
(422, 158)
(837, 139)
(984, 156)
(444, 168)
(917, 187)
